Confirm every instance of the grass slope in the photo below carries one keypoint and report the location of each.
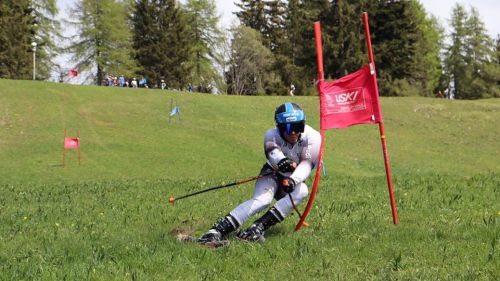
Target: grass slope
(108, 219)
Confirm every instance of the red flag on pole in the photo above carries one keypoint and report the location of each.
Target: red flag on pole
(349, 100)
(71, 143)
(73, 73)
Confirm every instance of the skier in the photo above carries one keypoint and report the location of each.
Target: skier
(291, 149)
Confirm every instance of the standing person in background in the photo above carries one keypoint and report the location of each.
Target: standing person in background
(292, 90)
(291, 149)
(110, 80)
(121, 81)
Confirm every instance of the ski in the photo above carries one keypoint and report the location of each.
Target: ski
(210, 245)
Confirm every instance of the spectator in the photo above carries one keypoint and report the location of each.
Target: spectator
(110, 80)
(143, 83)
(292, 90)
(121, 81)
(133, 83)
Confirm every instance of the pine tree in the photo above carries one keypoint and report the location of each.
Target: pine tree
(269, 19)
(293, 29)
(252, 14)
(428, 47)
(287, 49)
(480, 52)
(47, 32)
(493, 70)
(145, 35)
(274, 14)
(278, 44)
(395, 41)
(456, 58)
(288, 34)
(496, 55)
(16, 34)
(347, 51)
(469, 59)
(206, 39)
(311, 11)
(162, 41)
(478, 43)
(103, 40)
(405, 43)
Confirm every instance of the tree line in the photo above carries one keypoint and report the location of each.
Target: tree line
(270, 48)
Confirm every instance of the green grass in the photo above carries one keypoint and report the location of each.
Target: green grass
(109, 219)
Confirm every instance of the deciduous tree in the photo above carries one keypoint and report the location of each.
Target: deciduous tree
(250, 62)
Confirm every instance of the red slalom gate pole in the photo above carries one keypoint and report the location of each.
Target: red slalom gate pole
(319, 58)
(381, 124)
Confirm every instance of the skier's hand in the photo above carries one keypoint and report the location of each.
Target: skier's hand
(286, 165)
(288, 185)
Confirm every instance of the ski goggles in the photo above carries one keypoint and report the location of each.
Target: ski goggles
(288, 128)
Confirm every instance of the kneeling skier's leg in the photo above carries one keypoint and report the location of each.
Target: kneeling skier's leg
(256, 231)
(261, 199)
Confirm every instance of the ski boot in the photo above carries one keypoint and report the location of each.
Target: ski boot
(255, 233)
(215, 236)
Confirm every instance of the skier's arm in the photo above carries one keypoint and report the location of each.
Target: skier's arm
(272, 149)
(308, 158)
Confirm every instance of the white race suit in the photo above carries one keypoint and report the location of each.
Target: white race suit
(305, 153)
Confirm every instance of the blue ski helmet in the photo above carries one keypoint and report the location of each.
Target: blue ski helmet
(290, 118)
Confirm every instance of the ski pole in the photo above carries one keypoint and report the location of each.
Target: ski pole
(285, 183)
(173, 199)
(297, 210)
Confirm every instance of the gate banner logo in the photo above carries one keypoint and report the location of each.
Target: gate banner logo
(345, 101)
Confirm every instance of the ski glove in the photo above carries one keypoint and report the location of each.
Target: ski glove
(286, 165)
(288, 185)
